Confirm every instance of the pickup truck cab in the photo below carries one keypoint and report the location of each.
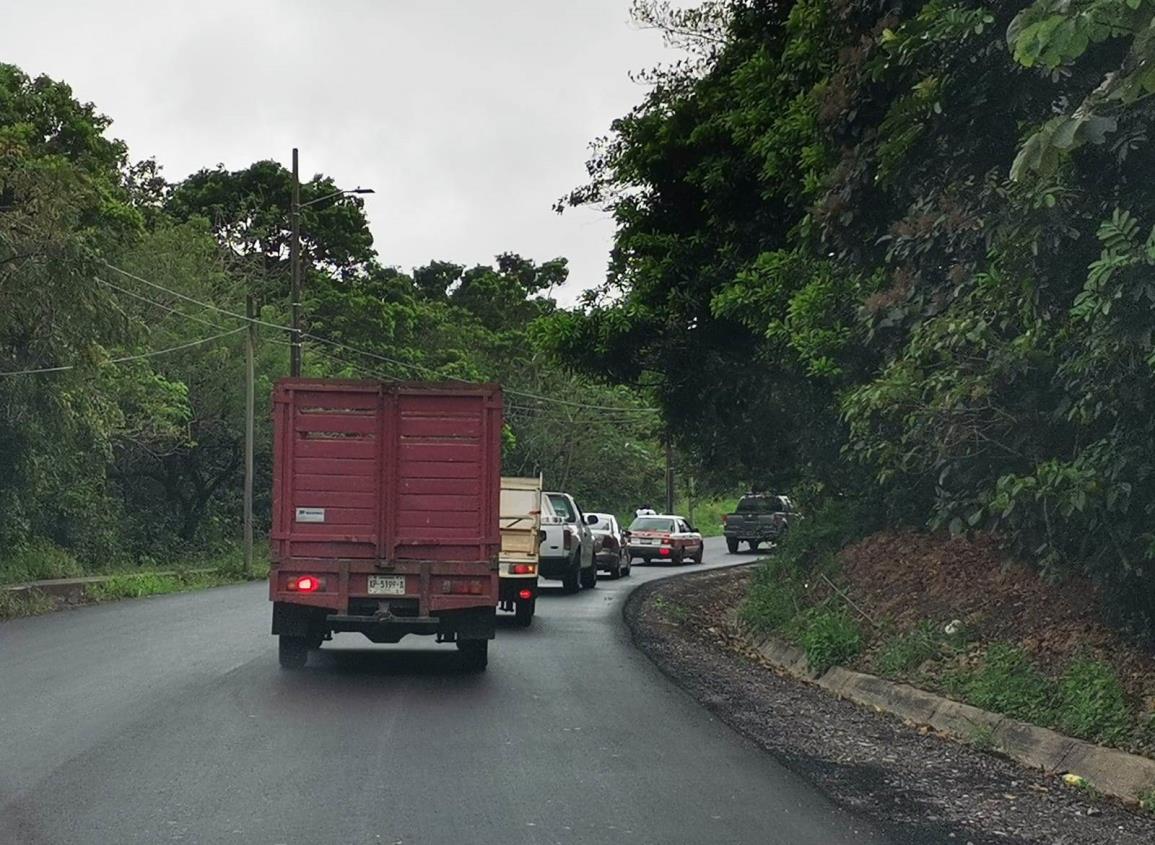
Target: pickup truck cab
(567, 552)
(759, 518)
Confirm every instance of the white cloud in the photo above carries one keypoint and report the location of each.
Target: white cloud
(468, 118)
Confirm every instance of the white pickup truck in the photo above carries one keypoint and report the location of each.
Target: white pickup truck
(520, 535)
(567, 552)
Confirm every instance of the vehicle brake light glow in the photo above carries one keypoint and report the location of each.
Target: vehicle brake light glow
(523, 569)
(305, 584)
(525, 595)
(664, 552)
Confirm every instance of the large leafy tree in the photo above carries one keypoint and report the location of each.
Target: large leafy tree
(901, 250)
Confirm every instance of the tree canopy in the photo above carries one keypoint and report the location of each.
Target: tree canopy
(898, 251)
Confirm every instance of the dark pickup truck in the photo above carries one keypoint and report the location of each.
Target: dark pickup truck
(759, 518)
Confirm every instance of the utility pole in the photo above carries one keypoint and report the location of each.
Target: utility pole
(669, 475)
(250, 401)
(295, 261)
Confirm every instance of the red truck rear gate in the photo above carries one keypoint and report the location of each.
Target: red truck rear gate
(375, 479)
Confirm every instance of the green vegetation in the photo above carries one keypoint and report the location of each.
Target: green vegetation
(152, 583)
(122, 360)
(13, 605)
(1090, 702)
(1006, 682)
(913, 247)
(831, 637)
(1087, 701)
(1147, 801)
(905, 652)
(775, 597)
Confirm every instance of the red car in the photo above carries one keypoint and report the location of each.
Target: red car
(664, 537)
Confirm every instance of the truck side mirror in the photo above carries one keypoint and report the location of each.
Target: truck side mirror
(591, 519)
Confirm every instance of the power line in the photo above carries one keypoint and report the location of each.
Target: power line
(190, 299)
(377, 356)
(167, 308)
(126, 358)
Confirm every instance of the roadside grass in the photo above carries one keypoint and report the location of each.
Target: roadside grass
(38, 563)
(1147, 801)
(15, 605)
(672, 611)
(707, 516)
(194, 572)
(1091, 703)
(792, 595)
(1086, 701)
(831, 637)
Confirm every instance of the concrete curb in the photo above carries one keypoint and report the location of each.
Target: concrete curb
(74, 590)
(1108, 770)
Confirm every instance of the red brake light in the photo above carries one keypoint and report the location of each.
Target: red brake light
(664, 551)
(525, 595)
(305, 584)
(523, 569)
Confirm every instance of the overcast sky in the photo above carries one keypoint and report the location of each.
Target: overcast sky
(468, 117)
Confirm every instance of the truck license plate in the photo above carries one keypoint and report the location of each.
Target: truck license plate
(386, 585)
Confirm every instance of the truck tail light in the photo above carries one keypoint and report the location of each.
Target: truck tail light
(523, 569)
(305, 584)
(568, 539)
(725, 518)
(525, 595)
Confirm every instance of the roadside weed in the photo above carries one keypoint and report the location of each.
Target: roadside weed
(1090, 702)
(1147, 800)
(671, 610)
(773, 597)
(906, 652)
(36, 563)
(982, 737)
(1006, 682)
(13, 605)
(830, 637)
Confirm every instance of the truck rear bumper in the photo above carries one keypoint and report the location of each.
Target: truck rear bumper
(313, 623)
(555, 568)
(509, 589)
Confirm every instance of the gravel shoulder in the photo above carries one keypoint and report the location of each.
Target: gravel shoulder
(917, 786)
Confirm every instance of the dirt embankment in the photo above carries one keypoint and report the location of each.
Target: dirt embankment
(902, 578)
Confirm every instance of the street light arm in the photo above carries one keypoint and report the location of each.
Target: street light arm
(336, 194)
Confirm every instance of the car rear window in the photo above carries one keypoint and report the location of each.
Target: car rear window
(561, 508)
(759, 504)
(649, 523)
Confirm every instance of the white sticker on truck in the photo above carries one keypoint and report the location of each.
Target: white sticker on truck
(310, 514)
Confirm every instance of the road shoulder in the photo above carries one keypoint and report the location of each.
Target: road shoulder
(916, 785)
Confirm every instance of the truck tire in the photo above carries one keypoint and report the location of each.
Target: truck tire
(753, 545)
(590, 577)
(732, 545)
(475, 653)
(292, 652)
(523, 612)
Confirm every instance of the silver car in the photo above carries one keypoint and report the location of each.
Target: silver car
(609, 544)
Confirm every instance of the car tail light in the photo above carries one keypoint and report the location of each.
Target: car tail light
(305, 584)
(666, 541)
(525, 595)
(523, 569)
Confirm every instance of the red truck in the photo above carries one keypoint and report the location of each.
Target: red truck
(386, 500)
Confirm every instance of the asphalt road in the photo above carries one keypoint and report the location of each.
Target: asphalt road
(167, 720)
